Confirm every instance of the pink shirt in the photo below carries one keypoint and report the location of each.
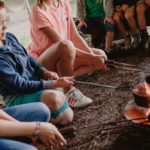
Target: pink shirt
(57, 18)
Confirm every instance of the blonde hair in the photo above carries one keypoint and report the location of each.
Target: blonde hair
(42, 3)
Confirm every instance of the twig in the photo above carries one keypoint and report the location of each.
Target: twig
(95, 84)
(125, 66)
(71, 132)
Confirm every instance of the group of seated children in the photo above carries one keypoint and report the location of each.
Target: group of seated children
(61, 54)
(129, 16)
(47, 80)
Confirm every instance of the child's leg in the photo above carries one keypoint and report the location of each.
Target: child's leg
(59, 58)
(147, 2)
(118, 17)
(129, 16)
(61, 113)
(29, 112)
(140, 10)
(109, 40)
(8, 144)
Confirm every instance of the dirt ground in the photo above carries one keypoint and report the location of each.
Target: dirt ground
(107, 110)
(107, 107)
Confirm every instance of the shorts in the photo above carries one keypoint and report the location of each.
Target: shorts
(19, 99)
(99, 21)
(130, 10)
(97, 29)
(109, 26)
(32, 98)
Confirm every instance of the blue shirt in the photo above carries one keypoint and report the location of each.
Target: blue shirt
(19, 72)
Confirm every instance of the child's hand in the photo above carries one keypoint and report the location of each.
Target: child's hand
(64, 82)
(50, 136)
(50, 75)
(81, 24)
(99, 62)
(108, 20)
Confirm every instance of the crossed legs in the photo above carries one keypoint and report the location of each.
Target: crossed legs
(55, 100)
(59, 58)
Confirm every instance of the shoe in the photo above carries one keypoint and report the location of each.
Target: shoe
(118, 44)
(127, 42)
(76, 99)
(136, 40)
(145, 40)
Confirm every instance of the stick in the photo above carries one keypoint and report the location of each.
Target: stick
(102, 85)
(28, 7)
(95, 84)
(125, 66)
(120, 63)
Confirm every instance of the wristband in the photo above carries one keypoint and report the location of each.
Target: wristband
(36, 132)
(47, 84)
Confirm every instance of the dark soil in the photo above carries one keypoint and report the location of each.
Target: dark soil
(108, 107)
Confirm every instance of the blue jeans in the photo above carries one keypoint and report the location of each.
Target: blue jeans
(27, 112)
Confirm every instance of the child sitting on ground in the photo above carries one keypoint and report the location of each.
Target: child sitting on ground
(142, 10)
(125, 10)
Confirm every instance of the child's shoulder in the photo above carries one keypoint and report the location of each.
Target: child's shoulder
(10, 36)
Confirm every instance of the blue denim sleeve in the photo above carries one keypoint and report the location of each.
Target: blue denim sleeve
(39, 69)
(14, 82)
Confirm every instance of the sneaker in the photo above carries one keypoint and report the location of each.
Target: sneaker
(118, 44)
(76, 99)
(107, 52)
(136, 40)
(127, 42)
(145, 40)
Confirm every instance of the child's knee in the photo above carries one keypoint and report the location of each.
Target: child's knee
(44, 112)
(53, 99)
(64, 117)
(129, 16)
(67, 116)
(140, 8)
(67, 48)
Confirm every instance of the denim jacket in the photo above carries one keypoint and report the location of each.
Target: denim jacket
(82, 12)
